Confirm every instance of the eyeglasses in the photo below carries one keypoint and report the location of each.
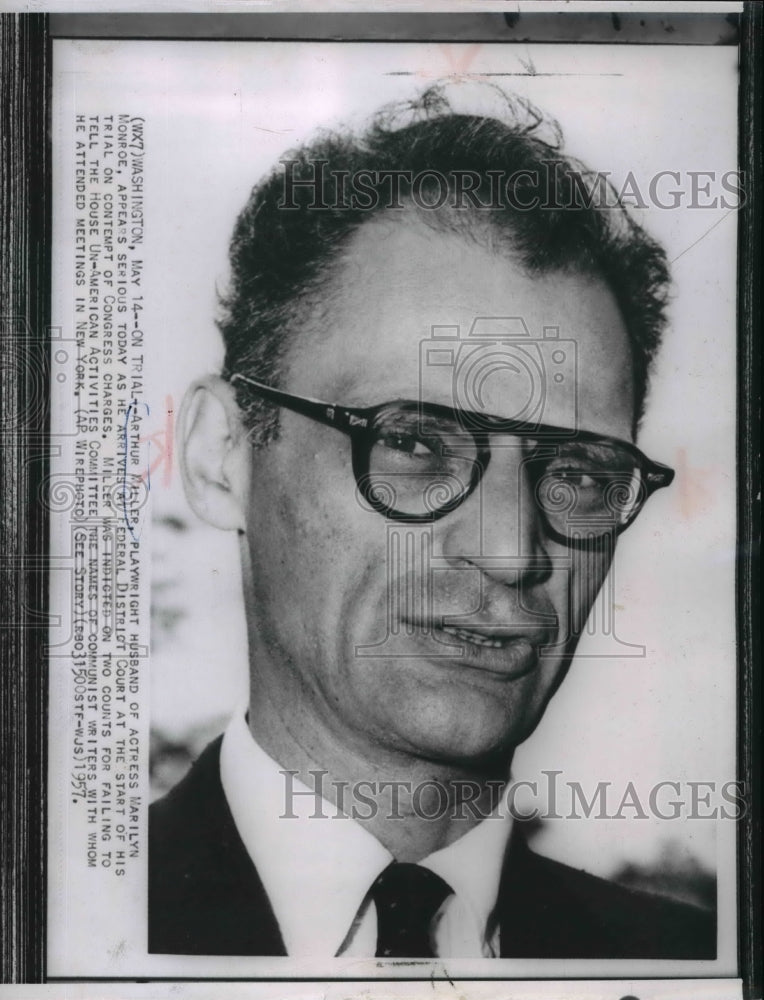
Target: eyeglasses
(417, 462)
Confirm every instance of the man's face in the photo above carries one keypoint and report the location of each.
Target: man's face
(346, 610)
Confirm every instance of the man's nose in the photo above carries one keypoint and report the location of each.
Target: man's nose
(499, 528)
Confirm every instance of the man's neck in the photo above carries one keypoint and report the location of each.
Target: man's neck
(411, 805)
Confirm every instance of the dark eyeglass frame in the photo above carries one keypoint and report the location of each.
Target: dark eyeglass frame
(358, 422)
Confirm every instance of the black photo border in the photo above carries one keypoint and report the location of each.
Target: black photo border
(25, 269)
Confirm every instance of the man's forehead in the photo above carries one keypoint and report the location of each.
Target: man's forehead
(413, 311)
(399, 279)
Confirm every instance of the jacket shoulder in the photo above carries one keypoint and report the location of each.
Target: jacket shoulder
(205, 896)
(568, 913)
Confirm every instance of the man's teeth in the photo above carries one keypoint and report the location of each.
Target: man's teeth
(474, 637)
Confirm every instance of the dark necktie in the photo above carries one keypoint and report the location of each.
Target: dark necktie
(407, 897)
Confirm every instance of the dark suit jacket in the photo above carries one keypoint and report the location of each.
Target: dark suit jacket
(206, 898)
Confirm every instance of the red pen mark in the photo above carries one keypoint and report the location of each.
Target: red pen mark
(693, 493)
(164, 441)
(460, 58)
(457, 63)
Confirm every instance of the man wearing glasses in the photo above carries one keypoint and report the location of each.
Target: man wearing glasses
(437, 350)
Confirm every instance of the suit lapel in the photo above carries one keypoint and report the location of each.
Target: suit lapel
(205, 894)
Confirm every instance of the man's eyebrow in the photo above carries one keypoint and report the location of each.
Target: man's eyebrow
(350, 392)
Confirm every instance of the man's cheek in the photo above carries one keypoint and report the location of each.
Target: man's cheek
(582, 583)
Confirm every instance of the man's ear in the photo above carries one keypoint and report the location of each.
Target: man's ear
(214, 453)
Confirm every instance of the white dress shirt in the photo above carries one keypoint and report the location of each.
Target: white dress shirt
(318, 867)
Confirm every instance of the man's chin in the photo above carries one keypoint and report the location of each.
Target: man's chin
(469, 752)
(465, 728)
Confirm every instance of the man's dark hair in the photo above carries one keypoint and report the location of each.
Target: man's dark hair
(497, 182)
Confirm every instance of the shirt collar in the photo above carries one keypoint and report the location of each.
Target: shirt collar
(317, 864)
(472, 864)
(316, 867)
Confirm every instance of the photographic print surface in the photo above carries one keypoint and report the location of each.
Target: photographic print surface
(406, 566)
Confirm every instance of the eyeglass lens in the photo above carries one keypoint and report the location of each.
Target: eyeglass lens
(419, 464)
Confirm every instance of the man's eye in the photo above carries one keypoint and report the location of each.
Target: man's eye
(408, 445)
(575, 476)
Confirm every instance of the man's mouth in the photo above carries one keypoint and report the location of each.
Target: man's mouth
(478, 638)
(489, 646)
